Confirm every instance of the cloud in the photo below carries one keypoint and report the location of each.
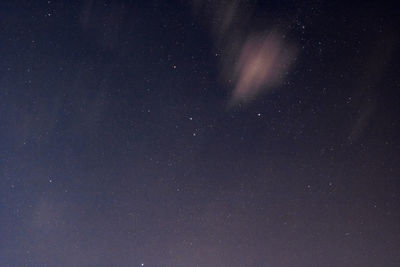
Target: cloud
(252, 61)
(262, 63)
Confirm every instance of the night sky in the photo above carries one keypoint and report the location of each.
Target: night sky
(199, 133)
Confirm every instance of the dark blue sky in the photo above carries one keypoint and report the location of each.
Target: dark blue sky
(199, 133)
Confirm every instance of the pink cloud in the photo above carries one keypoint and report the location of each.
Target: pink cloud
(262, 63)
